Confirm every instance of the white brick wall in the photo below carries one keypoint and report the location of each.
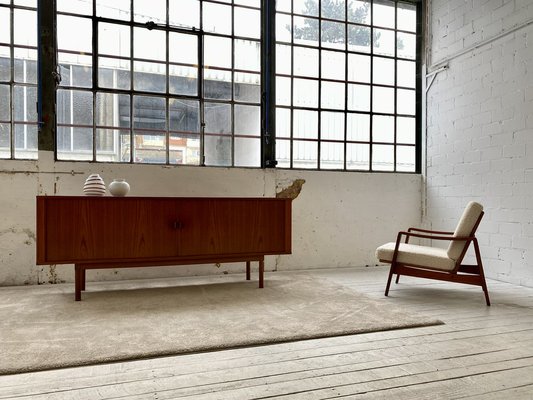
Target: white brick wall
(480, 128)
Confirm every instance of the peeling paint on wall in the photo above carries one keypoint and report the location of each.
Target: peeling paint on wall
(292, 191)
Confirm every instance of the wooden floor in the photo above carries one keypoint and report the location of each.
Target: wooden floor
(479, 353)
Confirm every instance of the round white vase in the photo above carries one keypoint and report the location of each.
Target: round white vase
(94, 186)
(119, 187)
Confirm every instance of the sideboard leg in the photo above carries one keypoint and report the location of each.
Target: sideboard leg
(83, 278)
(247, 270)
(261, 272)
(78, 270)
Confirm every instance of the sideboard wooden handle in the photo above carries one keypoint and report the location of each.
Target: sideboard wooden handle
(177, 225)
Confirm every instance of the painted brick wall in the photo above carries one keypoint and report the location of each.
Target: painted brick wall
(480, 127)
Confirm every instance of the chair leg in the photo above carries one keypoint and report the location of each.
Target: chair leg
(397, 278)
(481, 273)
(389, 280)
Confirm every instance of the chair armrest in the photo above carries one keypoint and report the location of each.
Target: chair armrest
(429, 231)
(424, 236)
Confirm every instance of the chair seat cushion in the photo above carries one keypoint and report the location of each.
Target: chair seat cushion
(412, 254)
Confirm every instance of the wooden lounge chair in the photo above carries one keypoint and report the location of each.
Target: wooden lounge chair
(437, 263)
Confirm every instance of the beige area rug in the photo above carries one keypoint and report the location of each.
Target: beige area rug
(44, 328)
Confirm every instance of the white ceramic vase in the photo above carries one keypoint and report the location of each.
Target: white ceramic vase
(119, 187)
(94, 186)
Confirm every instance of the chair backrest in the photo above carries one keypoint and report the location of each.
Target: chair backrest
(465, 227)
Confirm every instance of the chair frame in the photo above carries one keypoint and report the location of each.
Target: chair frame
(469, 274)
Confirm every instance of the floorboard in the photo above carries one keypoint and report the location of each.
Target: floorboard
(479, 353)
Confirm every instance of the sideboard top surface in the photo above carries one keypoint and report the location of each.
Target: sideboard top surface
(162, 198)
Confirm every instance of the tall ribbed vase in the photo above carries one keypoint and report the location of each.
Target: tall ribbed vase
(94, 186)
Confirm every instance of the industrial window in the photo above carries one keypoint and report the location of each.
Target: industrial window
(346, 85)
(159, 81)
(18, 79)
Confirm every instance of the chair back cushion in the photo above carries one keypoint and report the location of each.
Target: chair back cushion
(465, 228)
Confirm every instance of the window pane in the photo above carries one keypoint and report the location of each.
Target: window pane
(118, 9)
(150, 45)
(217, 84)
(283, 91)
(184, 115)
(217, 52)
(5, 140)
(112, 109)
(247, 55)
(283, 123)
(76, 70)
(406, 101)
(382, 157)
(383, 100)
(218, 150)
(405, 158)
(283, 28)
(183, 80)
(405, 130)
(305, 93)
(406, 73)
(217, 118)
(407, 17)
(332, 125)
(247, 152)
(384, 13)
(305, 124)
(283, 153)
(305, 31)
(150, 10)
(305, 154)
(149, 113)
(334, 10)
(112, 145)
(383, 128)
(333, 95)
(184, 13)
(74, 107)
(331, 155)
(25, 141)
(184, 149)
(25, 27)
(383, 71)
(283, 59)
(333, 65)
(358, 128)
(75, 6)
(359, 38)
(5, 63)
(333, 35)
(359, 97)
(406, 45)
(114, 39)
(217, 18)
(25, 98)
(359, 11)
(384, 42)
(357, 157)
(114, 73)
(183, 48)
(247, 120)
(75, 143)
(283, 5)
(74, 34)
(5, 25)
(5, 103)
(305, 7)
(150, 148)
(305, 62)
(25, 65)
(149, 77)
(358, 68)
(247, 87)
(247, 23)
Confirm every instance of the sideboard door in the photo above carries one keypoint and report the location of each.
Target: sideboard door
(94, 229)
(233, 226)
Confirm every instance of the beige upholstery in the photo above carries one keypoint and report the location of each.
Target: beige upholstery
(412, 254)
(464, 228)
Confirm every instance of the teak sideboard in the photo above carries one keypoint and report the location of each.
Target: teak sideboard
(125, 232)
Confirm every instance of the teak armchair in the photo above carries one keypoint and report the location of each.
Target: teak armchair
(437, 263)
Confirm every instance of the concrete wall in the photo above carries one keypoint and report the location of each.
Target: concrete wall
(339, 218)
(480, 127)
